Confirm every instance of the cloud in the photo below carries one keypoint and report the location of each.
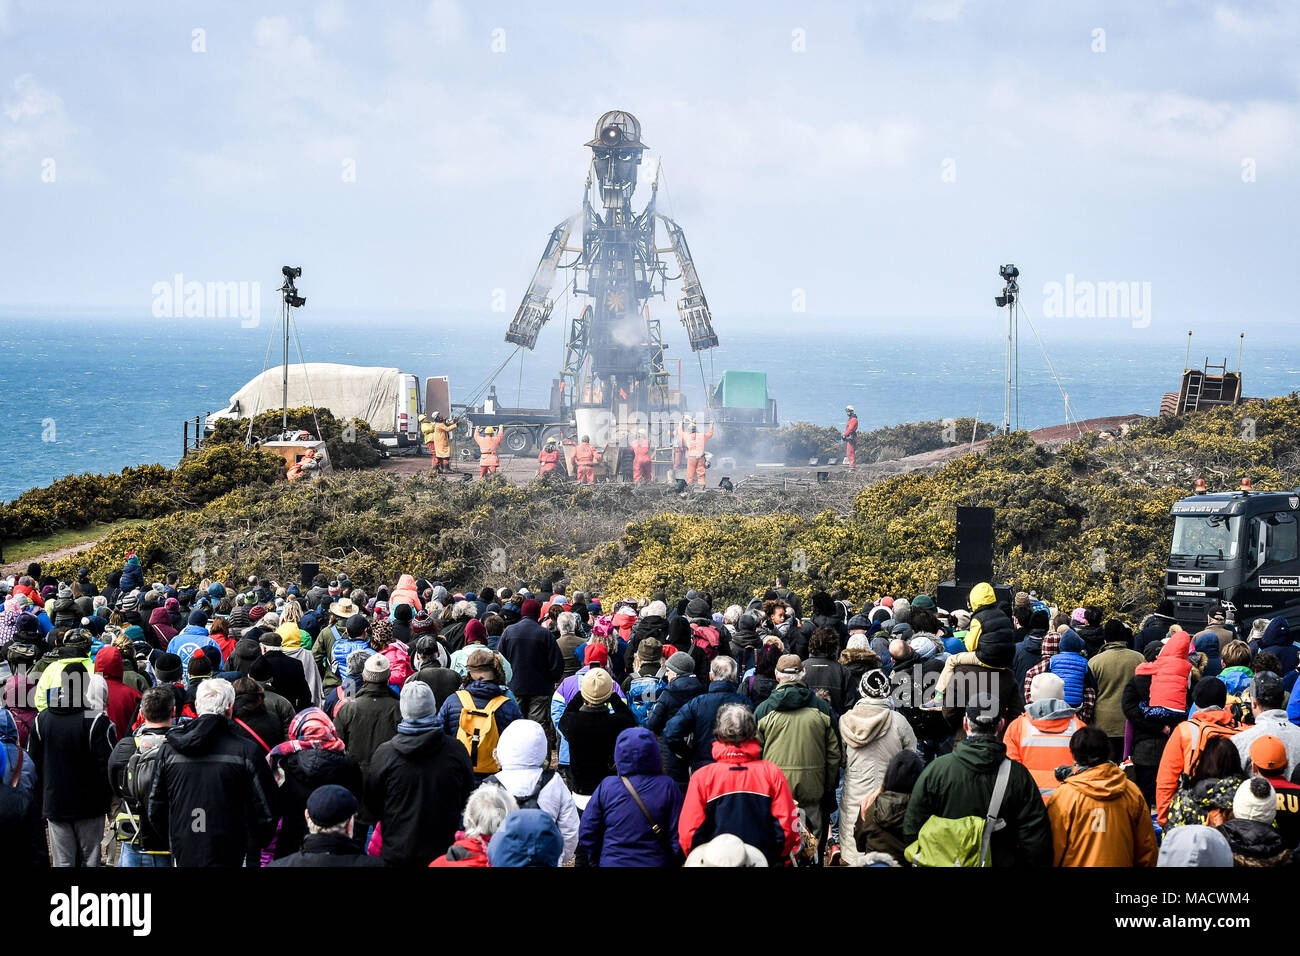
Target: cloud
(447, 21)
(30, 100)
(940, 10)
(330, 16)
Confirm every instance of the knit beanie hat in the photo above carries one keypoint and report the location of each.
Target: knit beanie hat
(598, 654)
(1255, 800)
(357, 661)
(1210, 693)
(858, 642)
(698, 608)
(1071, 643)
(167, 668)
(417, 699)
(681, 664)
(531, 609)
(597, 685)
(475, 632)
(198, 618)
(1047, 686)
(874, 685)
(200, 664)
(376, 669)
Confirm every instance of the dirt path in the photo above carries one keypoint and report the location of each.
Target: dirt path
(18, 567)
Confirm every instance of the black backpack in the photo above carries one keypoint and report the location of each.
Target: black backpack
(529, 802)
(140, 771)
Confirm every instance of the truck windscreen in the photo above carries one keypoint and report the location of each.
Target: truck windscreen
(1214, 536)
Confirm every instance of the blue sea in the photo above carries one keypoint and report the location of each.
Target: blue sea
(97, 393)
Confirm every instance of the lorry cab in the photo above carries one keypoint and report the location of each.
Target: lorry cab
(1241, 549)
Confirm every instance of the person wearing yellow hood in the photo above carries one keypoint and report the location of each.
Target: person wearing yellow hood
(986, 615)
(291, 645)
(992, 643)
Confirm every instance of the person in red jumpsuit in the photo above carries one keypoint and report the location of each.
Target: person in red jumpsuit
(585, 457)
(549, 458)
(695, 463)
(679, 449)
(488, 440)
(851, 437)
(642, 467)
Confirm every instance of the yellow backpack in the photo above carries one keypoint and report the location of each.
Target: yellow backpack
(477, 730)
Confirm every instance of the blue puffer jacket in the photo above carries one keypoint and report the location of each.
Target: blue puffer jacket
(342, 648)
(1072, 668)
(1277, 640)
(132, 575)
(614, 830)
(697, 717)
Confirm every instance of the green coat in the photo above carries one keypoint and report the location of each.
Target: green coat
(1113, 666)
(960, 784)
(798, 735)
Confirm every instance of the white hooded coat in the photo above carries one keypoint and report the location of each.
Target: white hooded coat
(872, 733)
(521, 751)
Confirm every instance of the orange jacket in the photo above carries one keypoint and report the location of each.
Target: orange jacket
(640, 450)
(1178, 751)
(549, 460)
(585, 454)
(487, 446)
(1099, 818)
(695, 443)
(1042, 746)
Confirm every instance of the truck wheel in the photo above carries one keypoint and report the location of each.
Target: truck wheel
(518, 441)
(553, 431)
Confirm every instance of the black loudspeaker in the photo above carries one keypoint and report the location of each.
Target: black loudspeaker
(974, 545)
(307, 571)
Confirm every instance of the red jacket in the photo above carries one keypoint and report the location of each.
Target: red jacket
(123, 701)
(32, 593)
(549, 460)
(851, 426)
(640, 451)
(1170, 672)
(473, 848)
(744, 795)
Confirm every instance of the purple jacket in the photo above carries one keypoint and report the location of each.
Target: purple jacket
(614, 831)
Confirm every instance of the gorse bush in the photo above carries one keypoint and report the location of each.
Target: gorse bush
(146, 491)
(223, 463)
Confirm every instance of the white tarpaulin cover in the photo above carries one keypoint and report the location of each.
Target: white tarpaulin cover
(348, 391)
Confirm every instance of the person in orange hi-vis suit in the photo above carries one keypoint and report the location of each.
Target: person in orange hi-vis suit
(549, 458)
(695, 466)
(642, 467)
(585, 457)
(488, 440)
(851, 437)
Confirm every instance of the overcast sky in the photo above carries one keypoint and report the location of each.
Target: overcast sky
(877, 160)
